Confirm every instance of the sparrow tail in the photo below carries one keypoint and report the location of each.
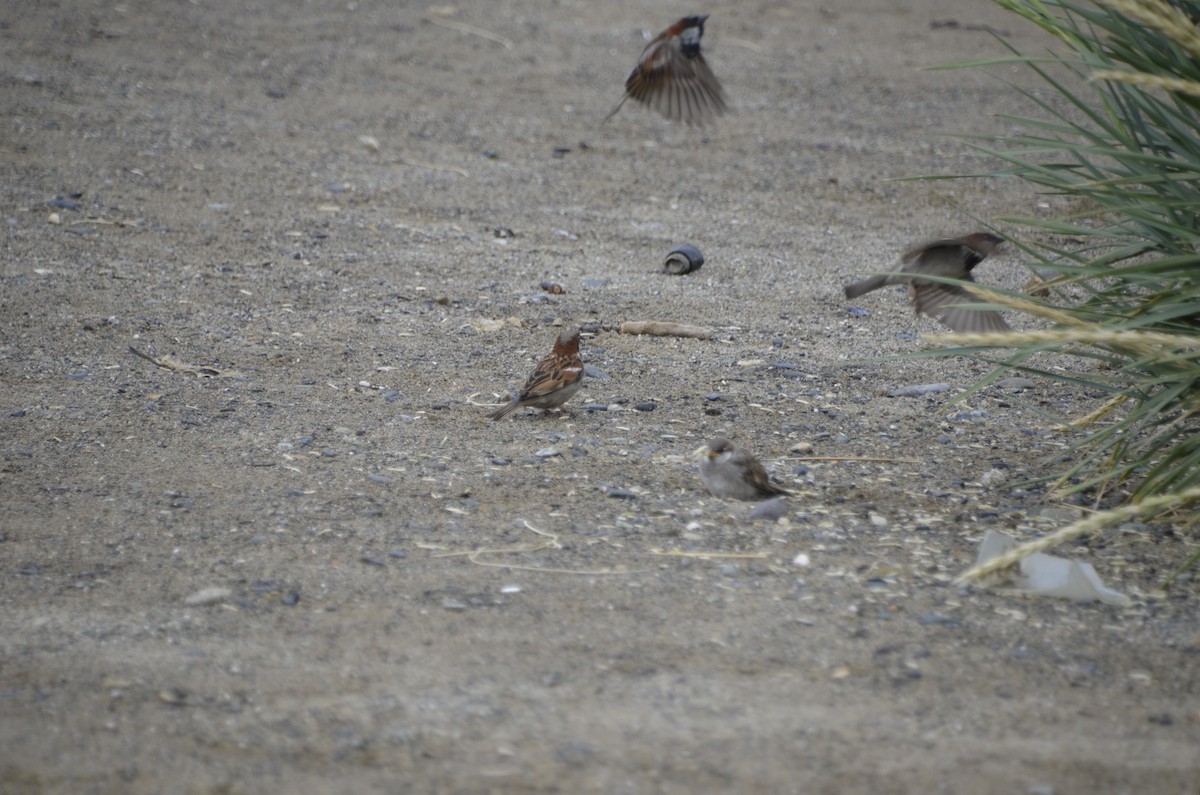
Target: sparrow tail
(613, 112)
(505, 411)
(865, 286)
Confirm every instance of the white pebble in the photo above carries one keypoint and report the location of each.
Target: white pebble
(993, 477)
(208, 596)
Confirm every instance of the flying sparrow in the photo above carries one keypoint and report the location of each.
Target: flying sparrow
(672, 77)
(952, 258)
(729, 471)
(554, 381)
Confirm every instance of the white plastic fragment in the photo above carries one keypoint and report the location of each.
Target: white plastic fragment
(1050, 575)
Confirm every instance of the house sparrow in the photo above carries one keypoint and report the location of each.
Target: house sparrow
(554, 381)
(672, 77)
(953, 258)
(729, 471)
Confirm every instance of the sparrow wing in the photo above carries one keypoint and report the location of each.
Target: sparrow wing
(552, 374)
(951, 258)
(949, 304)
(755, 475)
(680, 87)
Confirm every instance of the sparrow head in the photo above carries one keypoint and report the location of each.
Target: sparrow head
(689, 30)
(567, 343)
(983, 242)
(715, 448)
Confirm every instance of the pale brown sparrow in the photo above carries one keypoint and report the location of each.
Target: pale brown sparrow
(672, 76)
(554, 381)
(729, 471)
(952, 258)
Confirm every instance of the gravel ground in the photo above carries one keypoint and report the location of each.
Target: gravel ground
(298, 558)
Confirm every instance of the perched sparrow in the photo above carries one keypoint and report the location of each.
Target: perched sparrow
(952, 258)
(554, 381)
(730, 471)
(672, 77)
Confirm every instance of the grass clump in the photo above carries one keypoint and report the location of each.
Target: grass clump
(1118, 134)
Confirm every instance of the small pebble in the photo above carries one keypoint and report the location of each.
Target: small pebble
(547, 452)
(993, 477)
(801, 560)
(619, 493)
(916, 390)
(771, 510)
(1016, 383)
(290, 598)
(646, 406)
(925, 619)
(595, 372)
(370, 561)
(174, 696)
(398, 553)
(208, 596)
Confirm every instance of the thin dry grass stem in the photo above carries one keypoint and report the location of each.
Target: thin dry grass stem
(1026, 306)
(1147, 343)
(404, 161)
(462, 27)
(681, 553)
(551, 542)
(1143, 80)
(1164, 17)
(1097, 521)
(862, 458)
(749, 45)
(1093, 416)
